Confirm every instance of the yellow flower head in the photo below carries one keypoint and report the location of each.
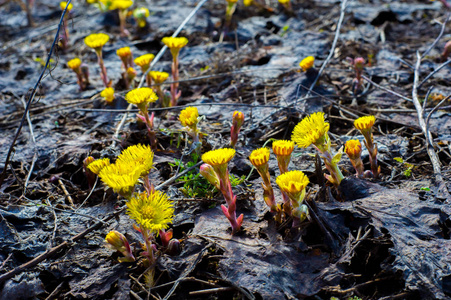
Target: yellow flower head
(247, 2)
(140, 96)
(259, 157)
(283, 2)
(353, 149)
(292, 182)
(108, 94)
(96, 40)
(121, 4)
(282, 147)
(124, 52)
(311, 130)
(159, 77)
(144, 61)
(140, 156)
(120, 177)
(365, 123)
(63, 6)
(175, 44)
(306, 63)
(74, 64)
(219, 156)
(153, 211)
(97, 165)
(188, 116)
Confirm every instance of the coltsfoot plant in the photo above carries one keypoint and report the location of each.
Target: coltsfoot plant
(96, 41)
(142, 97)
(312, 130)
(259, 159)
(353, 149)
(215, 170)
(237, 122)
(175, 44)
(365, 125)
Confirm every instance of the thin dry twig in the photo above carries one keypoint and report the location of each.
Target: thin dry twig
(332, 48)
(442, 190)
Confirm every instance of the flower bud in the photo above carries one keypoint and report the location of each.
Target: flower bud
(209, 173)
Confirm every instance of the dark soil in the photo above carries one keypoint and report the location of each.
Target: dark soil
(379, 239)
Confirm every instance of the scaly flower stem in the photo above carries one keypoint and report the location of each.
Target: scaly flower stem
(358, 166)
(282, 162)
(103, 73)
(122, 21)
(150, 132)
(268, 193)
(372, 150)
(230, 210)
(147, 239)
(175, 77)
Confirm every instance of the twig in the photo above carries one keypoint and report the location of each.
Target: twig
(211, 291)
(152, 64)
(386, 89)
(33, 139)
(69, 197)
(438, 37)
(89, 195)
(33, 94)
(441, 184)
(434, 109)
(334, 44)
(435, 71)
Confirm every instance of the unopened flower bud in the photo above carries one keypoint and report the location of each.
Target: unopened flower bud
(209, 173)
(173, 247)
(117, 241)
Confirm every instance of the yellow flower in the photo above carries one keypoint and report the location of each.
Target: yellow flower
(63, 6)
(144, 61)
(124, 52)
(96, 40)
(140, 156)
(247, 2)
(292, 182)
(141, 96)
(231, 1)
(74, 64)
(259, 157)
(282, 147)
(311, 130)
(188, 116)
(152, 211)
(159, 77)
(121, 4)
(120, 177)
(175, 44)
(97, 165)
(306, 63)
(353, 149)
(108, 94)
(365, 123)
(219, 156)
